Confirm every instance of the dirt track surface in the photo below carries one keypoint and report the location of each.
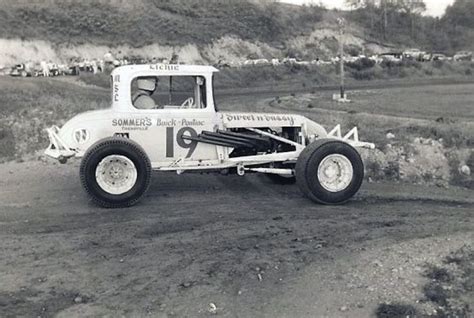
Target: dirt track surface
(249, 247)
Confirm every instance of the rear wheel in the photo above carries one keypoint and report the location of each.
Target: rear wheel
(329, 171)
(115, 172)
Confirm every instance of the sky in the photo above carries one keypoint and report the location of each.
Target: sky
(434, 7)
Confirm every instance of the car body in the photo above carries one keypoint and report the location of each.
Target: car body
(463, 56)
(413, 54)
(429, 57)
(190, 136)
(21, 70)
(28, 69)
(393, 57)
(54, 69)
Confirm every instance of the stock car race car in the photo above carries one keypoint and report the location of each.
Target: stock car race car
(163, 118)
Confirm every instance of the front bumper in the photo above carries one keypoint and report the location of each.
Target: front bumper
(57, 148)
(352, 137)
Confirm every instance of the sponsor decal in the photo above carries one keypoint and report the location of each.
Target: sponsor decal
(260, 118)
(166, 122)
(192, 122)
(179, 122)
(146, 122)
(164, 67)
(116, 88)
(122, 135)
(81, 135)
(132, 123)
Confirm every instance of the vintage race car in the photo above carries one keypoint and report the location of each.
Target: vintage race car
(163, 117)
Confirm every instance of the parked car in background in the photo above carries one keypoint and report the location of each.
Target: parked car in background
(261, 62)
(54, 69)
(19, 70)
(4, 70)
(429, 57)
(463, 56)
(26, 70)
(414, 54)
(394, 57)
(289, 61)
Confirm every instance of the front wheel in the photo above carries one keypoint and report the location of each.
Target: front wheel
(115, 172)
(329, 171)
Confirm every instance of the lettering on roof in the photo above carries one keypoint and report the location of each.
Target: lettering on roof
(164, 67)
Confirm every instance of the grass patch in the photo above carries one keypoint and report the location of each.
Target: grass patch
(100, 79)
(31, 105)
(395, 311)
(451, 285)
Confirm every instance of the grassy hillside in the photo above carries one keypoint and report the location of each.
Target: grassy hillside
(28, 106)
(181, 22)
(219, 29)
(173, 22)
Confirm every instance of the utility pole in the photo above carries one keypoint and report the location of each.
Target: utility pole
(342, 25)
(385, 19)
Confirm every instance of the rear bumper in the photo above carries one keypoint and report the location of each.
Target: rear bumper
(57, 148)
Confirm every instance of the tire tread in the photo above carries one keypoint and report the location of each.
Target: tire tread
(107, 142)
(303, 179)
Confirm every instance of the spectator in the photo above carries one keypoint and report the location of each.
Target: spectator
(45, 68)
(94, 66)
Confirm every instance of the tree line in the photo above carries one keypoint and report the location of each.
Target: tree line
(403, 22)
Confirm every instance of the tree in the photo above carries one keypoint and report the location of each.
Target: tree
(413, 8)
(459, 23)
(460, 13)
(367, 6)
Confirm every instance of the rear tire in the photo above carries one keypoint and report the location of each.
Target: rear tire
(329, 171)
(115, 172)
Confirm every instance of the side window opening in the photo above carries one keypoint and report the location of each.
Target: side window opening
(169, 92)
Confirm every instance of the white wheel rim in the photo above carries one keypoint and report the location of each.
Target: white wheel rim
(335, 173)
(116, 174)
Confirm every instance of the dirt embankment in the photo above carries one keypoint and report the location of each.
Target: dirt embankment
(422, 161)
(227, 48)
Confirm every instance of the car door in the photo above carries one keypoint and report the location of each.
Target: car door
(182, 113)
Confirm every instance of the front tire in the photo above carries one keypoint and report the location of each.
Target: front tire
(329, 171)
(115, 172)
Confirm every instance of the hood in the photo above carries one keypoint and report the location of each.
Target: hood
(261, 120)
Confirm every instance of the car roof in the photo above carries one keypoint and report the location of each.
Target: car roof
(175, 69)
